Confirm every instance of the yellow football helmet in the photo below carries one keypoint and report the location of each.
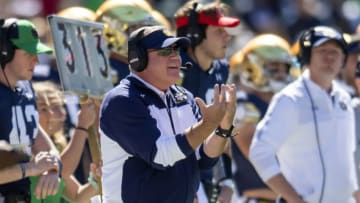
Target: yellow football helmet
(160, 19)
(295, 48)
(265, 63)
(120, 17)
(77, 13)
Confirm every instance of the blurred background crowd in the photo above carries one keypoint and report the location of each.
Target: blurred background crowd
(283, 17)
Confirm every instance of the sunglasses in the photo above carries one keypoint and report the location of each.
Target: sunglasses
(166, 51)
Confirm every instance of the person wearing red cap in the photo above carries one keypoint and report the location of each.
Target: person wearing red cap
(207, 27)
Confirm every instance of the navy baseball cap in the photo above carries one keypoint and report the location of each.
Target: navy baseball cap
(353, 42)
(324, 34)
(156, 37)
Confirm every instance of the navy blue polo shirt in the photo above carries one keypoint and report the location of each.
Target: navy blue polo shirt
(201, 83)
(19, 122)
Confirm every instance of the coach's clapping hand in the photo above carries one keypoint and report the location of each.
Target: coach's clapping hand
(228, 118)
(212, 114)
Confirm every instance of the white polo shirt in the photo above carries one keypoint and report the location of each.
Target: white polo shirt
(286, 142)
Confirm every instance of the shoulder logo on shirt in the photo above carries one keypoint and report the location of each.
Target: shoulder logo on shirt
(29, 95)
(218, 77)
(343, 106)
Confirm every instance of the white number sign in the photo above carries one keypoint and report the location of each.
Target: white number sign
(82, 56)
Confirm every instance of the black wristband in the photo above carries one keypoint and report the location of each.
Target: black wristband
(224, 133)
(23, 170)
(60, 166)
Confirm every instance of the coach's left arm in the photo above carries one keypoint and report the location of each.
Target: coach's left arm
(214, 145)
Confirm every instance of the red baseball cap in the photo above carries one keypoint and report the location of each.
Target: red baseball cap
(218, 20)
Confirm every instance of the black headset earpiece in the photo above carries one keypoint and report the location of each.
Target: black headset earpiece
(357, 69)
(305, 46)
(194, 32)
(137, 54)
(7, 49)
(309, 37)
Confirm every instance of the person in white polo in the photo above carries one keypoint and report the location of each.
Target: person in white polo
(304, 146)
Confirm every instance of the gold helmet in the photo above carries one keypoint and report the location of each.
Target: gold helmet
(77, 13)
(120, 17)
(295, 48)
(160, 19)
(264, 63)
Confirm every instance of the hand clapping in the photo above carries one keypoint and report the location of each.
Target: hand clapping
(223, 106)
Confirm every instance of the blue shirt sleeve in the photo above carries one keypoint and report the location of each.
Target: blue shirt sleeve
(206, 162)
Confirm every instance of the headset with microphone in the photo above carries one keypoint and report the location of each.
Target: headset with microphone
(194, 31)
(137, 55)
(311, 36)
(188, 65)
(7, 49)
(7, 52)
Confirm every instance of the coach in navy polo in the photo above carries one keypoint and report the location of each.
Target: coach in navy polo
(155, 137)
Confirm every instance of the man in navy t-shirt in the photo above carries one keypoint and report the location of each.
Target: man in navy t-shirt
(19, 125)
(206, 26)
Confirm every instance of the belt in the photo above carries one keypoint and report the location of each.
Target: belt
(211, 190)
(16, 198)
(280, 200)
(258, 200)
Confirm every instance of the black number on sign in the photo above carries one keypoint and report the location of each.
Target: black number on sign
(82, 35)
(103, 70)
(69, 58)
